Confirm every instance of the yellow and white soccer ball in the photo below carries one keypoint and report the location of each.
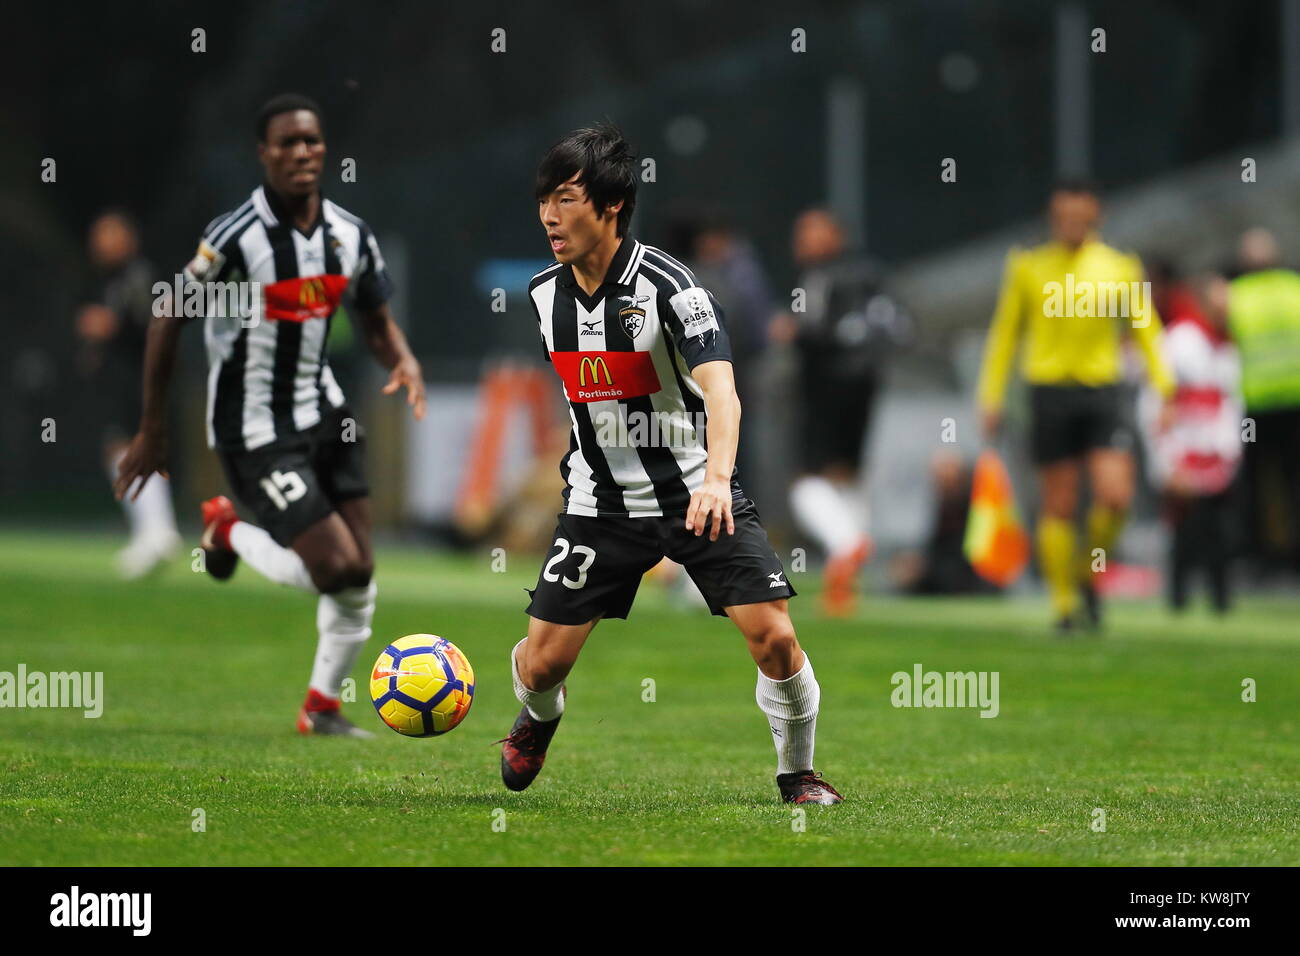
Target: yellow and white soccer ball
(422, 685)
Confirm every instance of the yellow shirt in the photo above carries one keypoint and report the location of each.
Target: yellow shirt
(1070, 306)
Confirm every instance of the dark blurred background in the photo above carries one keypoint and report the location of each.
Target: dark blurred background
(446, 133)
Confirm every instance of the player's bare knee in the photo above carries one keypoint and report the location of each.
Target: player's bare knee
(361, 572)
(773, 642)
(541, 671)
(331, 573)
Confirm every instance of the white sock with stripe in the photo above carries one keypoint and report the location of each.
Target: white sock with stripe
(544, 705)
(791, 708)
(343, 621)
(273, 561)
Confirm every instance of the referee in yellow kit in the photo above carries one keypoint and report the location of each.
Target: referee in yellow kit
(1070, 300)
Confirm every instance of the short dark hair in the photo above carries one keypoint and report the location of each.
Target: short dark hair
(1077, 186)
(605, 164)
(286, 103)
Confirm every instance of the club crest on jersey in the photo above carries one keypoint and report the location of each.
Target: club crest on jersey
(632, 317)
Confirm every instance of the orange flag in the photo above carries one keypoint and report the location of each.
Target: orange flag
(996, 544)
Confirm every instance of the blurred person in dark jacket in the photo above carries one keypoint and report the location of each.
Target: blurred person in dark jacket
(843, 326)
(111, 325)
(725, 262)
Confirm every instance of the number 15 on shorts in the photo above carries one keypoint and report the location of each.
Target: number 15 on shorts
(588, 555)
(284, 488)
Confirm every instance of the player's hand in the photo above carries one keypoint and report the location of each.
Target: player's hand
(407, 374)
(712, 504)
(990, 423)
(146, 454)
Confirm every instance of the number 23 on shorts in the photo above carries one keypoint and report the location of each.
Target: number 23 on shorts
(588, 555)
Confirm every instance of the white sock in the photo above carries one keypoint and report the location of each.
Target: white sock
(823, 513)
(855, 499)
(544, 705)
(343, 619)
(276, 562)
(150, 515)
(791, 709)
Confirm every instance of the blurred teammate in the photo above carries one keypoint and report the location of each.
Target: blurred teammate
(635, 339)
(290, 448)
(111, 326)
(1068, 302)
(1193, 461)
(842, 338)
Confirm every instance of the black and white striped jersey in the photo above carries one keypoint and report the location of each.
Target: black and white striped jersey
(625, 356)
(268, 378)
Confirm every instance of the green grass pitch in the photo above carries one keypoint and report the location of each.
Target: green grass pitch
(202, 683)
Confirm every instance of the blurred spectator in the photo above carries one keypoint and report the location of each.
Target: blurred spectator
(725, 262)
(111, 328)
(942, 568)
(1194, 459)
(843, 336)
(1264, 323)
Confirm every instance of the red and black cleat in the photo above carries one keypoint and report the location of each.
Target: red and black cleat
(806, 786)
(524, 749)
(218, 517)
(321, 715)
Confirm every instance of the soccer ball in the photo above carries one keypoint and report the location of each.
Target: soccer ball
(422, 685)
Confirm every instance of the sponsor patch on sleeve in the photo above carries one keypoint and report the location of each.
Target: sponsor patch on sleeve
(207, 260)
(695, 311)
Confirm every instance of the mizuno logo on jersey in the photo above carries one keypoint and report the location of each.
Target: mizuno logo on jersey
(776, 581)
(590, 327)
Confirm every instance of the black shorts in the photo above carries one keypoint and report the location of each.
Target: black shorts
(595, 564)
(291, 485)
(1066, 421)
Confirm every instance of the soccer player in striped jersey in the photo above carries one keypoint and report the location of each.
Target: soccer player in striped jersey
(645, 363)
(291, 450)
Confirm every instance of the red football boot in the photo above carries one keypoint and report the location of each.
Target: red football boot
(806, 786)
(524, 749)
(218, 518)
(321, 715)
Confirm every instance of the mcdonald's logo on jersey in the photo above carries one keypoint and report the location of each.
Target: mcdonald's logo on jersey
(606, 376)
(595, 366)
(297, 300)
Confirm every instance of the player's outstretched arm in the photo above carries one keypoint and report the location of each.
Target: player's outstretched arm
(711, 503)
(387, 341)
(147, 452)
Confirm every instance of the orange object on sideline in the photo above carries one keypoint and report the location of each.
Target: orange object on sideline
(996, 543)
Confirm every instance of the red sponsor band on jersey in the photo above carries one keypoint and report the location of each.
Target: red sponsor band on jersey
(606, 376)
(311, 297)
